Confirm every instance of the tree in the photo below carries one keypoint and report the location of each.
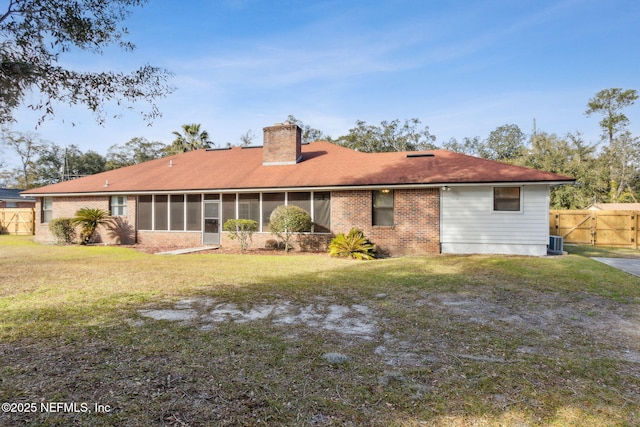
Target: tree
(469, 146)
(309, 134)
(26, 145)
(246, 139)
(241, 229)
(623, 159)
(89, 219)
(136, 150)
(389, 136)
(191, 138)
(572, 157)
(87, 163)
(505, 143)
(287, 220)
(56, 164)
(34, 36)
(610, 103)
(50, 166)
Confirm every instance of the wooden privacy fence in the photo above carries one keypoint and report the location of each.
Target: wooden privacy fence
(17, 221)
(597, 228)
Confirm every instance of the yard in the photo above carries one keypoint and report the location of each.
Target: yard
(112, 336)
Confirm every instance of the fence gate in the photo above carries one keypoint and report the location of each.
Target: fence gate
(597, 228)
(17, 221)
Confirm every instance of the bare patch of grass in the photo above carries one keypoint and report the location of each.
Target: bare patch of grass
(456, 340)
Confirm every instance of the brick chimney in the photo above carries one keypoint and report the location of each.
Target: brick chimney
(282, 144)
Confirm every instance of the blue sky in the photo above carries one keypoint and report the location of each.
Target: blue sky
(462, 67)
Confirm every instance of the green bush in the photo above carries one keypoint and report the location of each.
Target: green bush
(63, 230)
(352, 245)
(287, 220)
(241, 229)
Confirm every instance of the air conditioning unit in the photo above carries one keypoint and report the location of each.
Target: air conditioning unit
(556, 245)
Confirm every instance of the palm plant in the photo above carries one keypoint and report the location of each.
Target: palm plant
(89, 219)
(352, 245)
(190, 139)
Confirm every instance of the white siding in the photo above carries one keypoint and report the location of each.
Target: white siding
(469, 224)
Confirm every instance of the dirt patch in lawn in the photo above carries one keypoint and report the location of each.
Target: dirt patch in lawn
(354, 320)
(555, 321)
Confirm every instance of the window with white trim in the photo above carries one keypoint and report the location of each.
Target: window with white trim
(507, 199)
(47, 210)
(118, 205)
(382, 207)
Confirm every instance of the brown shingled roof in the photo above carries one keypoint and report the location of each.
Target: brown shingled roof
(323, 165)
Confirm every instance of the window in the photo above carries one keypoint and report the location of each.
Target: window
(270, 201)
(118, 206)
(145, 212)
(183, 212)
(194, 212)
(506, 199)
(301, 200)
(249, 206)
(228, 207)
(382, 207)
(176, 211)
(321, 212)
(47, 210)
(161, 216)
(162, 212)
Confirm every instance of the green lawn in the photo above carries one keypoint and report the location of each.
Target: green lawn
(440, 340)
(604, 252)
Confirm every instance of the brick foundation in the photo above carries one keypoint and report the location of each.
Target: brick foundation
(305, 242)
(173, 239)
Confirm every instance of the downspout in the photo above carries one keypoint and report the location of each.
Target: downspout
(440, 221)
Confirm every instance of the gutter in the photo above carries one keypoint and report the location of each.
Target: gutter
(291, 189)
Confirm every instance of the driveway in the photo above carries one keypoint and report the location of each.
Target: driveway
(631, 266)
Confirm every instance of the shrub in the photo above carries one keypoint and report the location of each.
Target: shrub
(273, 244)
(63, 230)
(241, 229)
(352, 245)
(287, 220)
(89, 219)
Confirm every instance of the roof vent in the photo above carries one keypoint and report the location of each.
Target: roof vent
(420, 155)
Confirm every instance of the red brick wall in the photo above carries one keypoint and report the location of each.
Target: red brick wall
(282, 144)
(170, 239)
(416, 218)
(121, 231)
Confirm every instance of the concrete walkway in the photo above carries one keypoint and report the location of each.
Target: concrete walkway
(630, 265)
(188, 250)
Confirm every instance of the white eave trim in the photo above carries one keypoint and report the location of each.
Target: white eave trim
(317, 188)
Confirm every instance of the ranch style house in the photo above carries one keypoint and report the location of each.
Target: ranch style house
(406, 203)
